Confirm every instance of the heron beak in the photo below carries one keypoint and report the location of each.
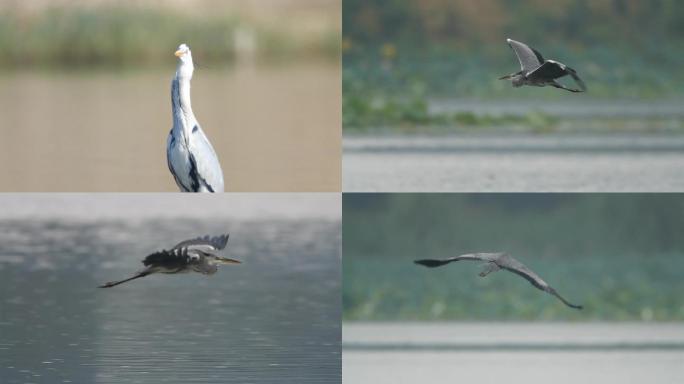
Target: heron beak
(505, 77)
(179, 53)
(225, 260)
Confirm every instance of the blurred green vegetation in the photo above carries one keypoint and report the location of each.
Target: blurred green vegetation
(404, 52)
(620, 255)
(116, 36)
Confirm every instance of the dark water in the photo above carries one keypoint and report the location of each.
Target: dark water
(274, 318)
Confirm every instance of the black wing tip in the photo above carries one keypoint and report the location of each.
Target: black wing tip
(430, 263)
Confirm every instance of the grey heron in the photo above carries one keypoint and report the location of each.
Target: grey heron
(538, 72)
(196, 255)
(189, 154)
(496, 261)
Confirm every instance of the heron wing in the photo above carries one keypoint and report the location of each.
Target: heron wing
(550, 70)
(432, 263)
(520, 269)
(209, 242)
(169, 259)
(529, 58)
(177, 160)
(577, 79)
(205, 170)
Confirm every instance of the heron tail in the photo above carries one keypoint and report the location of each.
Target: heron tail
(432, 263)
(115, 283)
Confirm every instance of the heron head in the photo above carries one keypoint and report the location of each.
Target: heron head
(183, 53)
(516, 79)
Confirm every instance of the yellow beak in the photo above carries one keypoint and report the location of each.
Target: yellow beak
(179, 53)
(226, 260)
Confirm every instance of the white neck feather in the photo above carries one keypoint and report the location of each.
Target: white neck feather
(182, 104)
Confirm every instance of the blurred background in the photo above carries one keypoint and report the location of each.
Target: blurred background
(435, 49)
(619, 255)
(431, 68)
(85, 87)
(259, 322)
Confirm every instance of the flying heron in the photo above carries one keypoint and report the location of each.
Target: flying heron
(536, 71)
(190, 156)
(496, 261)
(189, 255)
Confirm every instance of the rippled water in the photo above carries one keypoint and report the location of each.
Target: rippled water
(274, 318)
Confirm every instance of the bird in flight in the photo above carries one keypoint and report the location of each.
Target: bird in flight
(496, 261)
(196, 255)
(189, 154)
(538, 72)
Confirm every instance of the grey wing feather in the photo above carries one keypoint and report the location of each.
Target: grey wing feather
(432, 263)
(529, 58)
(214, 243)
(513, 265)
(206, 161)
(549, 70)
(577, 79)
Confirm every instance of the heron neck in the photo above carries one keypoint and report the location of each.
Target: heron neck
(184, 93)
(182, 106)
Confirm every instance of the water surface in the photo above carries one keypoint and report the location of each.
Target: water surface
(274, 318)
(513, 352)
(273, 128)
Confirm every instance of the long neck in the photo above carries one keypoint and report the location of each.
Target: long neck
(184, 92)
(180, 99)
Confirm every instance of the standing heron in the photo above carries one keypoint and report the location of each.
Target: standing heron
(496, 261)
(190, 255)
(190, 156)
(536, 71)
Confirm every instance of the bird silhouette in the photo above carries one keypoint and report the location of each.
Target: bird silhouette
(497, 261)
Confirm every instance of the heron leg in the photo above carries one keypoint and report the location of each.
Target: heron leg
(489, 268)
(115, 283)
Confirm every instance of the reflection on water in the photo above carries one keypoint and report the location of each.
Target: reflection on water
(274, 318)
(273, 128)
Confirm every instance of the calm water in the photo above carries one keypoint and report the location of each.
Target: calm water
(513, 353)
(612, 163)
(275, 318)
(274, 128)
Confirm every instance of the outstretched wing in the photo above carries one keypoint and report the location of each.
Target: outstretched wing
(510, 264)
(577, 79)
(529, 58)
(432, 263)
(205, 243)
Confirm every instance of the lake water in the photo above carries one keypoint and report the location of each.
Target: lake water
(513, 353)
(514, 163)
(274, 128)
(274, 318)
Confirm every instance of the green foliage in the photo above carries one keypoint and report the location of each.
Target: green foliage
(120, 36)
(622, 256)
(626, 50)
